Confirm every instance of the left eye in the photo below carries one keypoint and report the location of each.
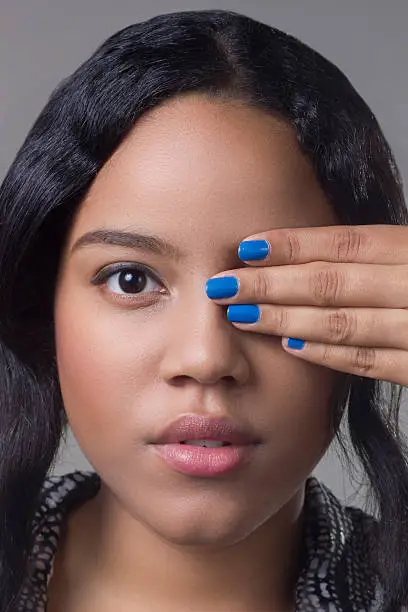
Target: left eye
(129, 280)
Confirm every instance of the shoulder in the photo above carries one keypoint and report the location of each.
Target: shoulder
(59, 495)
(63, 487)
(339, 544)
(324, 505)
(352, 531)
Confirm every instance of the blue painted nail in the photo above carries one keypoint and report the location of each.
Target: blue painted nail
(243, 313)
(296, 343)
(253, 249)
(222, 287)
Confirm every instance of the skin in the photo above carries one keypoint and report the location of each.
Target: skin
(203, 175)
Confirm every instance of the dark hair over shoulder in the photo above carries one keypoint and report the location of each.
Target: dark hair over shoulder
(218, 54)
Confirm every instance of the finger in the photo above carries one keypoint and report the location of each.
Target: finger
(383, 364)
(371, 327)
(320, 284)
(386, 244)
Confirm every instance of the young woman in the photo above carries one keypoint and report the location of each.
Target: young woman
(200, 190)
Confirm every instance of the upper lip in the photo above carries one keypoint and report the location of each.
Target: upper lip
(198, 427)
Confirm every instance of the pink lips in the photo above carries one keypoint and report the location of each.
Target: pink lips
(198, 427)
(205, 461)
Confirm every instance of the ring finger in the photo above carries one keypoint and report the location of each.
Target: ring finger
(377, 327)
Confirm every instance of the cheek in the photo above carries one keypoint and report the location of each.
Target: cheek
(297, 411)
(105, 366)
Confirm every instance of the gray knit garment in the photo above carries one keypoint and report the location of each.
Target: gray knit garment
(334, 574)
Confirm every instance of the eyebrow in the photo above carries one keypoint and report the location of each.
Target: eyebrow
(144, 242)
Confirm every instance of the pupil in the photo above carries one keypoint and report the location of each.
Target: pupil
(132, 281)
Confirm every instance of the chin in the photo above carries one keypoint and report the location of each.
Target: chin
(200, 523)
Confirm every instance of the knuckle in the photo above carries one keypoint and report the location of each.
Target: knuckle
(347, 244)
(326, 285)
(280, 320)
(327, 354)
(293, 246)
(340, 325)
(262, 285)
(364, 359)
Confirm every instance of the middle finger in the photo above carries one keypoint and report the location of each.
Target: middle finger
(317, 284)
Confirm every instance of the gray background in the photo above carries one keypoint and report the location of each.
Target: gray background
(42, 41)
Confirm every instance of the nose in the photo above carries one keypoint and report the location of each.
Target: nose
(203, 345)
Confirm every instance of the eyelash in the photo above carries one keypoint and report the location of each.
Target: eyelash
(104, 275)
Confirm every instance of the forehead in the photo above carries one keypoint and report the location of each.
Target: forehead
(198, 165)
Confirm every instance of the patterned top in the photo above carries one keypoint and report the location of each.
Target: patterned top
(334, 574)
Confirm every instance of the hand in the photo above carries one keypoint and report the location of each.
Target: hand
(342, 289)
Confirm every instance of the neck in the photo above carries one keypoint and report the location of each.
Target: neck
(107, 550)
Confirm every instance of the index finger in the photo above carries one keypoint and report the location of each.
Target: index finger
(386, 244)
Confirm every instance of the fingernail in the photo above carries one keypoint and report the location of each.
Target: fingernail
(243, 313)
(296, 343)
(253, 249)
(222, 287)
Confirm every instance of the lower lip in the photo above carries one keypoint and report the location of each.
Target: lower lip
(201, 461)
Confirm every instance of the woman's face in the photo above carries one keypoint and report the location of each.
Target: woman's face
(201, 175)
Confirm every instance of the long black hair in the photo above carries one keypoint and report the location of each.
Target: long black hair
(219, 54)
